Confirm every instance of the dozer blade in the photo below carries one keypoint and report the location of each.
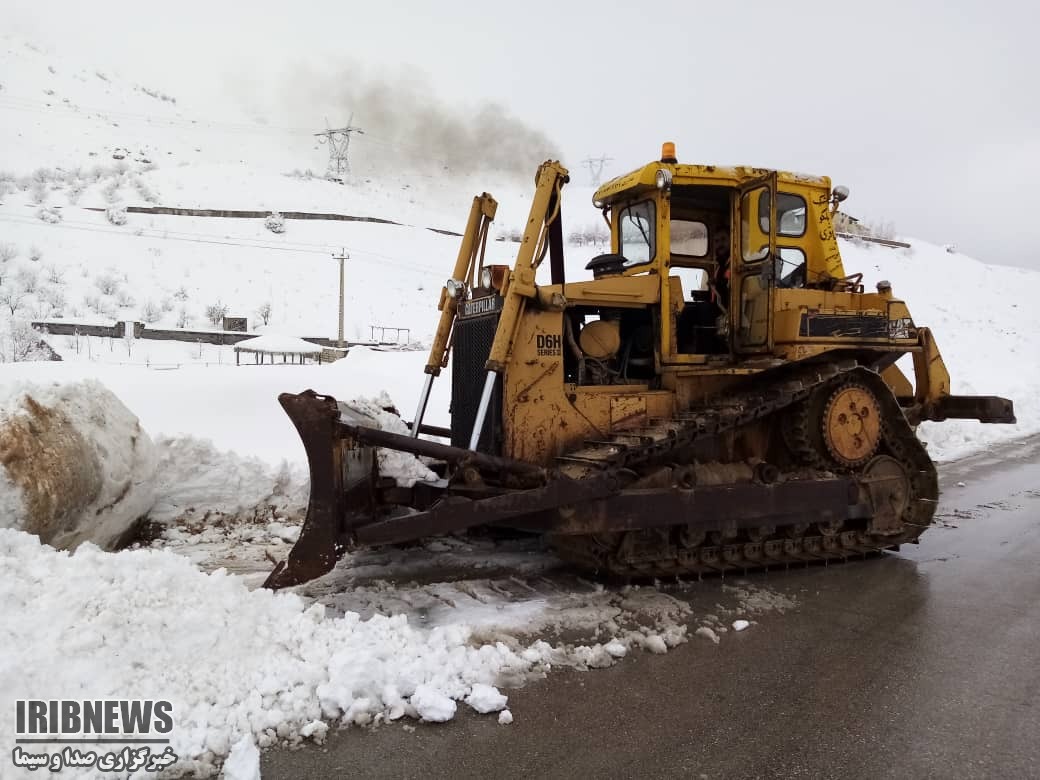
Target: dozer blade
(343, 472)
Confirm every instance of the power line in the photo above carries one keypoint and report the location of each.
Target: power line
(204, 238)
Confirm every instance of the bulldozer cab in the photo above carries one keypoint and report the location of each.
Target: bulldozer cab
(713, 245)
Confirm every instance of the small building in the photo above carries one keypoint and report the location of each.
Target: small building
(289, 348)
(236, 324)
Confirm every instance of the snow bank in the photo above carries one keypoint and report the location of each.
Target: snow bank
(76, 465)
(404, 467)
(235, 663)
(195, 480)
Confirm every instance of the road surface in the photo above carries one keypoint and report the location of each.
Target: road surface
(920, 664)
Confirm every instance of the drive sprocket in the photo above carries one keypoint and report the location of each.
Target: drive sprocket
(851, 424)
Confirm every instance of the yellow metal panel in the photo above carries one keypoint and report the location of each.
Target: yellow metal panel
(931, 378)
(627, 412)
(612, 291)
(897, 380)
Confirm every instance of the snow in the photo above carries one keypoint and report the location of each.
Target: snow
(616, 649)
(655, 644)
(243, 763)
(236, 408)
(278, 345)
(432, 705)
(740, 625)
(77, 466)
(235, 663)
(196, 480)
(279, 667)
(12, 501)
(505, 717)
(707, 633)
(404, 467)
(486, 698)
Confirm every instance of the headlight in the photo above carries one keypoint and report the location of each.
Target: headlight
(456, 288)
(485, 278)
(663, 179)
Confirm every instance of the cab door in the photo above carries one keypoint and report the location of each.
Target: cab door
(752, 283)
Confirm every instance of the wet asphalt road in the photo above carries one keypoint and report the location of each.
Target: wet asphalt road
(921, 664)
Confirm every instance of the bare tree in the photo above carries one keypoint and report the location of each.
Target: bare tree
(94, 303)
(107, 283)
(29, 279)
(12, 297)
(150, 312)
(216, 312)
(264, 312)
(22, 344)
(8, 252)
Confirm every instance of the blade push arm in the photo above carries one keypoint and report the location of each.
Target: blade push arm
(550, 180)
(481, 215)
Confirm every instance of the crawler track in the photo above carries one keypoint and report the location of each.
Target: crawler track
(794, 404)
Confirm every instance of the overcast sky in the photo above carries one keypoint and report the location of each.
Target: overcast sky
(929, 112)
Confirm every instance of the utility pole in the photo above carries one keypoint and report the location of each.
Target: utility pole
(341, 257)
(595, 166)
(338, 140)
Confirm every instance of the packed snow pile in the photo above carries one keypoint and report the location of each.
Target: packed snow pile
(75, 464)
(404, 467)
(244, 761)
(235, 663)
(197, 482)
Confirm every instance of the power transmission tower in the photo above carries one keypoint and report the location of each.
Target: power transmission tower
(595, 166)
(338, 140)
(343, 255)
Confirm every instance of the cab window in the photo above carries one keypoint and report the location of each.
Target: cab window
(689, 238)
(636, 234)
(790, 214)
(790, 267)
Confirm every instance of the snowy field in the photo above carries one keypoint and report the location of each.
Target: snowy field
(389, 634)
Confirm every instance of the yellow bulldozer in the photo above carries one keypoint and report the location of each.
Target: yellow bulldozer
(720, 395)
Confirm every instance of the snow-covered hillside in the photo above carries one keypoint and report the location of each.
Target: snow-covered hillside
(78, 146)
